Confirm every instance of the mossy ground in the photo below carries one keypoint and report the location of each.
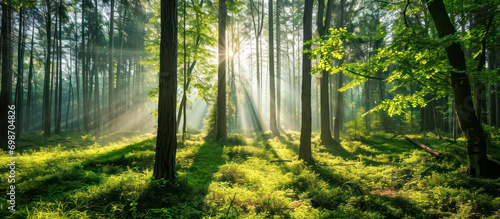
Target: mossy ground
(373, 176)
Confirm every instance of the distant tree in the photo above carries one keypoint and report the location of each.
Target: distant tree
(20, 73)
(278, 63)
(339, 113)
(166, 142)
(305, 132)
(46, 82)
(221, 126)
(257, 27)
(272, 84)
(29, 110)
(111, 66)
(6, 90)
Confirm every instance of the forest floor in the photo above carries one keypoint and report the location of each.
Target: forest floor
(84, 176)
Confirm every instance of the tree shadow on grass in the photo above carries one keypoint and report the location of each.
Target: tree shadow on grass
(289, 145)
(186, 195)
(58, 185)
(90, 172)
(391, 206)
(389, 146)
(131, 156)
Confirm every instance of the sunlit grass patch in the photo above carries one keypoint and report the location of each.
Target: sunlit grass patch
(377, 176)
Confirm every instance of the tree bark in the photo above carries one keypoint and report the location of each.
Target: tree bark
(305, 132)
(111, 65)
(326, 135)
(278, 64)
(166, 141)
(469, 123)
(272, 84)
(29, 111)
(59, 66)
(7, 65)
(20, 75)
(46, 81)
(221, 126)
(97, 108)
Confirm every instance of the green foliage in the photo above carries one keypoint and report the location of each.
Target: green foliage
(413, 63)
(200, 40)
(356, 128)
(376, 176)
(331, 47)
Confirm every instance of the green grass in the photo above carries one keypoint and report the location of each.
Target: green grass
(374, 176)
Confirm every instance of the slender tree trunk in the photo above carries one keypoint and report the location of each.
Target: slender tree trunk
(119, 108)
(339, 113)
(69, 100)
(183, 101)
(7, 65)
(184, 96)
(166, 141)
(84, 75)
(493, 88)
(272, 84)
(77, 81)
(97, 108)
(278, 63)
(46, 81)
(294, 99)
(29, 110)
(59, 65)
(20, 75)
(221, 125)
(111, 77)
(323, 26)
(305, 132)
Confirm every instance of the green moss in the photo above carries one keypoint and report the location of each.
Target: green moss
(86, 176)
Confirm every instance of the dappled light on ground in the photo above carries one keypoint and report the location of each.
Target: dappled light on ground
(371, 177)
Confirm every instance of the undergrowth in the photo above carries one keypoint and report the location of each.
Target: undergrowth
(368, 176)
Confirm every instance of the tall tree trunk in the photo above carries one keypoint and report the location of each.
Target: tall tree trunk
(326, 135)
(278, 63)
(305, 132)
(7, 65)
(493, 88)
(97, 109)
(184, 96)
(84, 74)
(55, 72)
(59, 65)
(183, 101)
(272, 84)
(77, 81)
(111, 77)
(119, 107)
(339, 113)
(29, 110)
(258, 30)
(20, 75)
(69, 100)
(46, 81)
(221, 125)
(166, 141)
(294, 99)
(469, 123)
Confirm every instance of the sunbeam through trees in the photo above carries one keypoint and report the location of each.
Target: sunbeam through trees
(250, 109)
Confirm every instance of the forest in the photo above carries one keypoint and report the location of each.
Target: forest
(250, 109)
